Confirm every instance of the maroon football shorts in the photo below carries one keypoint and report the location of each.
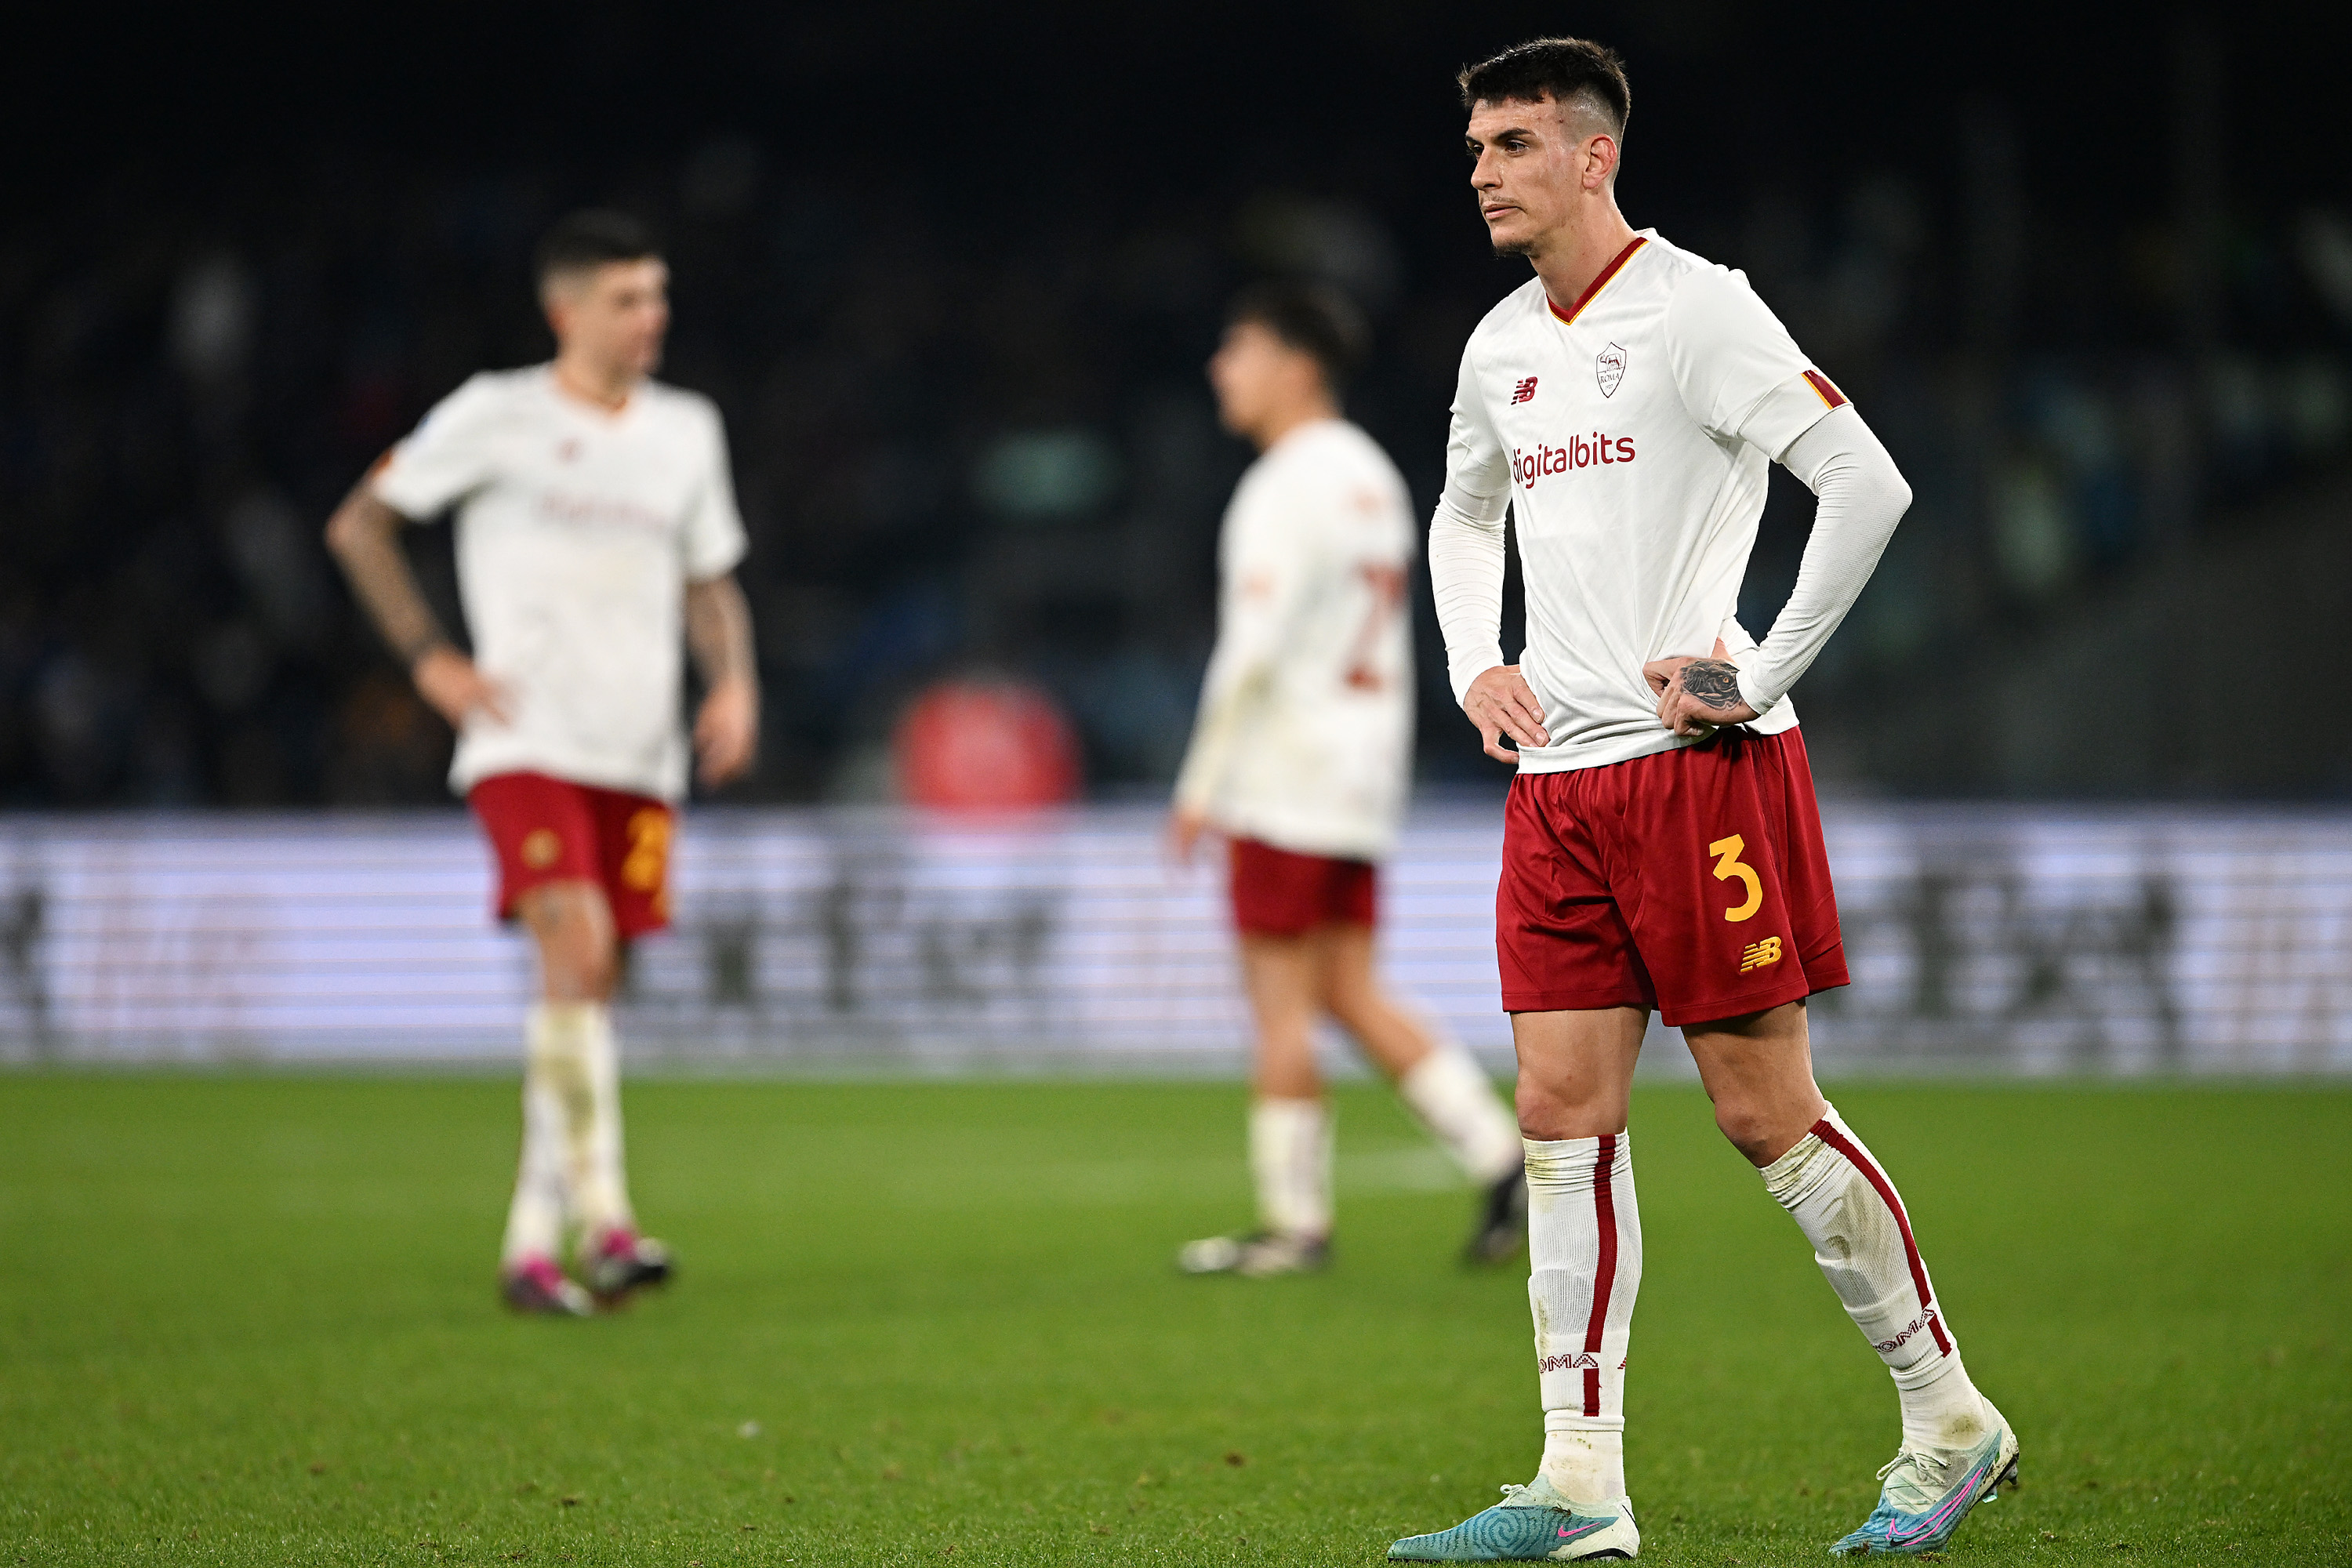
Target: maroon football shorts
(551, 830)
(1279, 892)
(1692, 880)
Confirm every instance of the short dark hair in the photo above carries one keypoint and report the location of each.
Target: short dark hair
(585, 240)
(1313, 318)
(1561, 70)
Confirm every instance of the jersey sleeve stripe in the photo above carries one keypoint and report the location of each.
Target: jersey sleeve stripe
(1569, 316)
(1829, 395)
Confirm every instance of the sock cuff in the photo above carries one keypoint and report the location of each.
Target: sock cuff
(1283, 1110)
(1792, 1177)
(1569, 1165)
(572, 1037)
(1930, 1369)
(1569, 1421)
(547, 1016)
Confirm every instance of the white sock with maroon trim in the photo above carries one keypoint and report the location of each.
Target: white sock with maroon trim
(576, 1062)
(535, 1217)
(1841, 1198)
(1290, 1155)
(1456, 1102)
(1584, 1253)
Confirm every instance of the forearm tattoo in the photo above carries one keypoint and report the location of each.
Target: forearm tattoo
(1715, 683)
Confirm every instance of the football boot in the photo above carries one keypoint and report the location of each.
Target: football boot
(1533, 1523)
(1925, 1495)
(1258, 1255)
(1502, 1229)
(621, 1262)
(537, 1285)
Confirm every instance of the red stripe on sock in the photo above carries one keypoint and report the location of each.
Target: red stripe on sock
(1604, 1274)
(1877, 1178)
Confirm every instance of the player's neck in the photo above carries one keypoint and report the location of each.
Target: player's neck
(579, 377)
(1579, 253)
(1282, 421)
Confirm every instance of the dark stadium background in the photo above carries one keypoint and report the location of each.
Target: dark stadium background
(951, 270)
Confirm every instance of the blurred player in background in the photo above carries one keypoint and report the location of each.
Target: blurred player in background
(1661, 846)
(596, 527)
(1301, 756)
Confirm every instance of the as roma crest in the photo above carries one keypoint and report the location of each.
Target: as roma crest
(1608, 368)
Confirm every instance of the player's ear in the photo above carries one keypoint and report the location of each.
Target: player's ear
(1599, 160)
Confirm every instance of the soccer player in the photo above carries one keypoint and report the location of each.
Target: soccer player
(595, 522)
(1661, 847)
(1301, 757)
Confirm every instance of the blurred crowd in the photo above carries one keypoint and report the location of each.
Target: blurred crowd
(977, 439)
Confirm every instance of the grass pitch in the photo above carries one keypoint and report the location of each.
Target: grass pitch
(251, 1320)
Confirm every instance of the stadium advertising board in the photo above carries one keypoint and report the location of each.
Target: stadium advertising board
(1990, 939)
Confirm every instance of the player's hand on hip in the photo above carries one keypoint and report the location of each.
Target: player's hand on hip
(1187, 826)
(1500, 702)
(1697, 697)
(456, 690)
(727, 732)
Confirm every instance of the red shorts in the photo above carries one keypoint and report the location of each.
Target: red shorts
(551, 830)
(1278, 892)
(1693, 881)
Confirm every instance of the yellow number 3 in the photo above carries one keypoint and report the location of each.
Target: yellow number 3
(1727, 866)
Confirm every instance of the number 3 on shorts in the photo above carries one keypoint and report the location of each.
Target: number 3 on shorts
(1728, 865)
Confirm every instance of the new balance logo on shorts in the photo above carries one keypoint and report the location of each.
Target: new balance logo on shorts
(1760, 955)
(1525, 392)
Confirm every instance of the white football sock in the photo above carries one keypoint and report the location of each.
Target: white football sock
(1290, 1155)
(535, 1217)
(575, 1054)
(1584, 1256)
(1841, 1198)
(1457, 1103)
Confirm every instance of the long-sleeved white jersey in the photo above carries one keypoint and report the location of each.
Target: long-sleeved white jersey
(1629, 435)
(1305, 733)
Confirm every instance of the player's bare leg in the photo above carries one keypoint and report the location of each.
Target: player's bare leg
(572, 1095)
(1290, 1123)
(1444, 1089)
(1956, 1448)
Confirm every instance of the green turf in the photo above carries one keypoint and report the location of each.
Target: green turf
(250, 1319)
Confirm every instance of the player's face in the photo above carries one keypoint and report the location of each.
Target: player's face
(1529, 166)
(1251, 372)
(617, 315)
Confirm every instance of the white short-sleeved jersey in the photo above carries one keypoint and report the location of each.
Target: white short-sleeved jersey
(578, 529)
(1629, 436)
(1305, 734)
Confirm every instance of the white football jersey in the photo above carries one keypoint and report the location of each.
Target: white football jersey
(1630, 436)
(1305, 734)
(578, 529)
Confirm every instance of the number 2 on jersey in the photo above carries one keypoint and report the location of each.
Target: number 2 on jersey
(1727, 865)
(1387, 583)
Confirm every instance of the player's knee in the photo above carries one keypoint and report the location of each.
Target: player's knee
(577, 950)
(1549, 1110)
(594, 961)
(1746, 1127)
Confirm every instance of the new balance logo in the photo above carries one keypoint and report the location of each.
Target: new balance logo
(1525, 392)
(1760, 955)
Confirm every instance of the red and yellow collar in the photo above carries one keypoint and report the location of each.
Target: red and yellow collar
(1569, 316)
